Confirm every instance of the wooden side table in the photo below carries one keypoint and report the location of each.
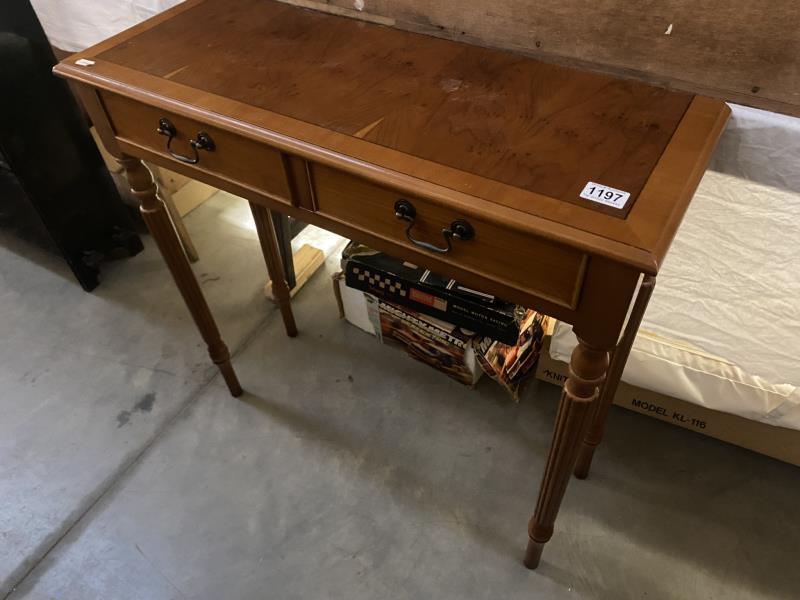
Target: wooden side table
(551, 187)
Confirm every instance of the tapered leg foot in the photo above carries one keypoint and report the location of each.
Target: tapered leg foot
(588, 367)
(288, 318)
(229, 375)
(265, 228)
(533, 554)
(157, 219)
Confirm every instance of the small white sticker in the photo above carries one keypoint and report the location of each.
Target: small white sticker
(605, 195)
(84, 62)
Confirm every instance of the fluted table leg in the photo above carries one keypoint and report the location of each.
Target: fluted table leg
(158, 222)
(618, 359)
(588, 368)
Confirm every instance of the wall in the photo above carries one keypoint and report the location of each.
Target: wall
(734, 49)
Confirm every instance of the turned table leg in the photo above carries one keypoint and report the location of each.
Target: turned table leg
(265, 227)
(156, 217)
(587, 369)
(618, 359)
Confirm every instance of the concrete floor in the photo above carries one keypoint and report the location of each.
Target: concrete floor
(346, 471)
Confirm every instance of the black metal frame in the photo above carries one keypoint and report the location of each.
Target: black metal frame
(286, 229)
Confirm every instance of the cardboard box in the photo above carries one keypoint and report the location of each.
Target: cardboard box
(442, 345)
(777, 442)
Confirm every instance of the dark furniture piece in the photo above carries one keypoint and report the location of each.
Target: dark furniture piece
(55, 186)
(286, 229)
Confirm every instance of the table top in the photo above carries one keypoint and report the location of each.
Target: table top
(561, 146)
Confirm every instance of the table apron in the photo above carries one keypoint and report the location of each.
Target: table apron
(501, 258)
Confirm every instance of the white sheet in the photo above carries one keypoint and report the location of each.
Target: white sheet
(77, 24)
(723, 325)
(731, 282)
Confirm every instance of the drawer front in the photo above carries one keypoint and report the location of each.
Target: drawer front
(525, 262)
(236, 158)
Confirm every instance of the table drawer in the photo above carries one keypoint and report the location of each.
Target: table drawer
(542, 268)
(233, 157)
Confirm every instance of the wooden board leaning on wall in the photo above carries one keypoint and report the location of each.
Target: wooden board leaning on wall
(738, 50)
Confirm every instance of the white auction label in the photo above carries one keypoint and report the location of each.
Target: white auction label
(605, 195)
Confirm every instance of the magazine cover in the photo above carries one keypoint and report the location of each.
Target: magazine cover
(512, 365)
(437, 343)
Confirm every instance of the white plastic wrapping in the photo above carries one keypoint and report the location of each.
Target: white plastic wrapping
(731, 282)
(723, 325)
(677, 370)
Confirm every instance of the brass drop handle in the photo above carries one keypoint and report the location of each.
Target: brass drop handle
(203, 142)
(459, 229)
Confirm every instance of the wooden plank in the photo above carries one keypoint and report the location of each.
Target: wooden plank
(737, 50)
(191, 195)
(306, 262)
(170, 180)
(187, 193)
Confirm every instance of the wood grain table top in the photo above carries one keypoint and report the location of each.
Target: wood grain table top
(491, 126)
